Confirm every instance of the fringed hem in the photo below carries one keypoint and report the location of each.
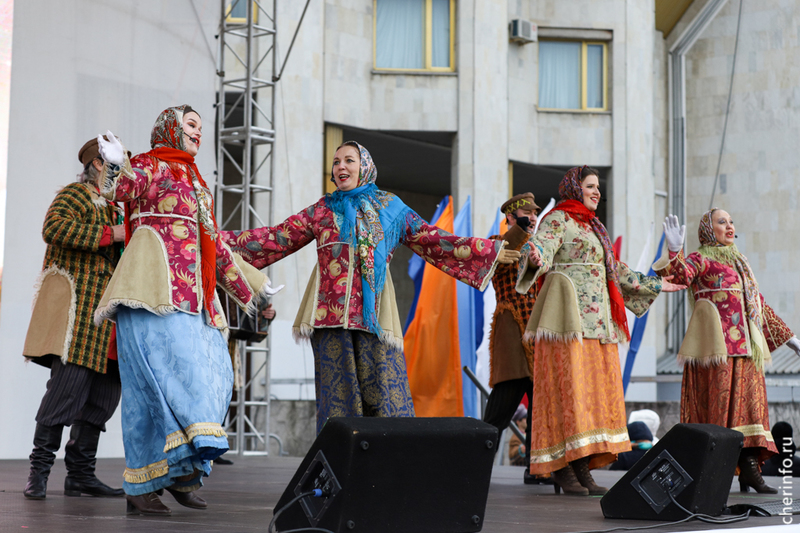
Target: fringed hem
(257, 297)
(188, 434)
(553, 336)
(99, 201)
(490, 275)
(709, 360)
(73, 304)
(148, 473)
(109, 312)
(261, 296)
(111, 173)
(390, 339)
(302, 333)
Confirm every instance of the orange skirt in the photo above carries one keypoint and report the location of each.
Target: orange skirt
(579, 405)
(732, 395)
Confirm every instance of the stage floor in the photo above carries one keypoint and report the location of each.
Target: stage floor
(241, 498)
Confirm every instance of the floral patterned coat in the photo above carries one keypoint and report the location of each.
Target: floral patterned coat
(574, 302)
(160, 269)
(718, 330)
(333, 298)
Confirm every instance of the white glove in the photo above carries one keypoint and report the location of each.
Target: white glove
(111, 150)
(794, 344)
(674, 233)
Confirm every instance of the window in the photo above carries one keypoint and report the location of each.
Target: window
(414, 35)
(236, 11)
(573, 75)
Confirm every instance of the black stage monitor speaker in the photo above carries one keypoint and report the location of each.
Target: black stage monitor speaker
(394, 475)
(694, 463)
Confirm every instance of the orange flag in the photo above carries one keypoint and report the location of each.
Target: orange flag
(431, 343)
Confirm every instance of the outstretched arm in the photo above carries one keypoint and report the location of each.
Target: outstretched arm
(263, 246)
(471, 260)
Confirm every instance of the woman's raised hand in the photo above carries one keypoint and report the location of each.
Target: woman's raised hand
(674, 233)
(111, 149)
(666, 286)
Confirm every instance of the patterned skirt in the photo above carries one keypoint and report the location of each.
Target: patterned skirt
(578, 405)
(356, 374)
(177, 382)
(732, 395)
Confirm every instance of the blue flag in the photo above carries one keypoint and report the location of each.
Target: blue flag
(638, 331)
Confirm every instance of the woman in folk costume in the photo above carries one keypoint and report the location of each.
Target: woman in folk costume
(578, 320)
(349, 311)
(173, 358)
(728, 341)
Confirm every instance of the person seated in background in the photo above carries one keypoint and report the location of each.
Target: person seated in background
(517, 453)
(786, 463)
(649, 417)
(641, 441)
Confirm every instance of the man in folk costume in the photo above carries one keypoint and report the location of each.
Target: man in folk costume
(510, 357)
(81, 231)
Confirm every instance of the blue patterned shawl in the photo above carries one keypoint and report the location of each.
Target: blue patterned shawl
(373, 222)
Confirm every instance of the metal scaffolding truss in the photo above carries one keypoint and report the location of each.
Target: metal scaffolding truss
(246, 65)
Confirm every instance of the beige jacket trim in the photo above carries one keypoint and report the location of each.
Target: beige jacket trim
(555, 315)
(53, 288)
(141, 279)
(388, 315)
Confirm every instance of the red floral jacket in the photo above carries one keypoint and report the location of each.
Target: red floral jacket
(721, 285)
(164, 201)
(339, 300)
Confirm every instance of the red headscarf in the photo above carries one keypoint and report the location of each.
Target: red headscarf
(572, 204)
(166, 141)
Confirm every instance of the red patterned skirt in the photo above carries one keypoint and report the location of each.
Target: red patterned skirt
(732, 395)
(578, 405)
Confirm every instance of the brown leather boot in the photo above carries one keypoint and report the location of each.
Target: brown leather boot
(584, 475)
(750, 475)
(147, 504)
(188, 499)
(564, 478)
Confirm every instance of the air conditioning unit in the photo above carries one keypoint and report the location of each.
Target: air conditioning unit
(522, 31)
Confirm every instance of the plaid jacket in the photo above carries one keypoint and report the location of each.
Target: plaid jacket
(505, 280)
(509, 353)
(72, 230)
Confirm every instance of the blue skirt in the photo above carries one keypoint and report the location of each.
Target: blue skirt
(177, 382)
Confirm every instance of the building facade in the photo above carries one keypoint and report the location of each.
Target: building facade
(449, 102)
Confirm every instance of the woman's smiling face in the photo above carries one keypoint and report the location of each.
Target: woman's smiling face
(192, 132)
(346, 168)
(590, 186)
